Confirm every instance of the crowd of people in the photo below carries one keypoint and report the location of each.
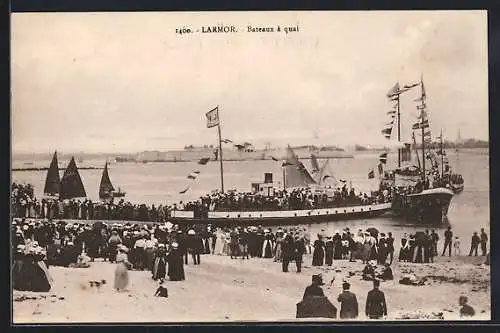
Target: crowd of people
(292, 199)
(25, 205)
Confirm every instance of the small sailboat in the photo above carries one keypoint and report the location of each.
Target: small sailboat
(53, 180)
(106, 188)
(71, 183)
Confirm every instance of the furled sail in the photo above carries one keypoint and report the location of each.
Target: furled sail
(71, 183)
(295, 171)
(105, 188)
(53, 180)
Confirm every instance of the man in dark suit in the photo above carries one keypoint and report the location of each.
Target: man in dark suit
(349, 303)
(299, 249)
(376, 307)
(448, 236)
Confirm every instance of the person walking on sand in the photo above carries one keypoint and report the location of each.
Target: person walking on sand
(448, 237)
(484, 241)
(122, 267)
(376, 306)
(466, 310)
(474, 244)
(348, 303)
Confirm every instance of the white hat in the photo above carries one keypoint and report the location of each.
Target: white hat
(70, 243)
(25, 227)
(191, 232)
(175, 245)
(161, 245)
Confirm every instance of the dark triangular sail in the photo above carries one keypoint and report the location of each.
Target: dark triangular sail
(314, 163)
(53, 180)
(296, 174)
(71, 183)
(105, 188)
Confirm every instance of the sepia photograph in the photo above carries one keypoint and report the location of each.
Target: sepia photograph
(185, 167)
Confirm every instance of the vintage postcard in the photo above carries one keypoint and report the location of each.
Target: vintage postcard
(250, 166)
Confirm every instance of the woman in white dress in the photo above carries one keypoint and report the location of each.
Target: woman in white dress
(122, 267)
(219, 242)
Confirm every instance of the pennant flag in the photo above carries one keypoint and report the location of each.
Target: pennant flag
(396, 98)
(421, 107)
(184, 191)
(387, 132)
(343, 181)
(212, 117)
(371, 174)
(325, 177)
(391, 112)
(193, 175)
(204, 160)
(380, 169)
(287, 164)
(394, 91)
(422, 86)
(226, 141)
(409, 86)
(274, 159)
(427, 133)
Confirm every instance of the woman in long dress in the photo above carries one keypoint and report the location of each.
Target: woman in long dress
(121, 271)
(319, 251)
(226, 248)
(219, 243)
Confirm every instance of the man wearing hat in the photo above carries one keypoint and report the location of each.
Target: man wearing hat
(349, 303)
(376, 306)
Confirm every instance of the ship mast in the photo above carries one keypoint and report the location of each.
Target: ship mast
(423, 122)
(441, 152)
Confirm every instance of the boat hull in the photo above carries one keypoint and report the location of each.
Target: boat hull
(275, 218)
(428, 206)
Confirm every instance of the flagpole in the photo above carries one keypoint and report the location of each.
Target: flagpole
(442, 158)
(399, 130)
(220, 154)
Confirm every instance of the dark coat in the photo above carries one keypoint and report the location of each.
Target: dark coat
(313, 290)
(376, 306)
(349, 305)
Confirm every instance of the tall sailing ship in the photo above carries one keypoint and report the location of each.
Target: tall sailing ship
(107, 191)
(418, 192)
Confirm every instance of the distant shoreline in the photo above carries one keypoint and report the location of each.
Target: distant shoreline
(45, 169)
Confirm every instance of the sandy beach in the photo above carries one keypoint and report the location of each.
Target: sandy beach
(224, 290)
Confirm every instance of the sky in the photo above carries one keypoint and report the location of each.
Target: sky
(126, 82)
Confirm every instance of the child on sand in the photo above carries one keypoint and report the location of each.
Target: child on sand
(456, 246)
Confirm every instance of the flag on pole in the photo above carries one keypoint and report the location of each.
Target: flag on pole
(394, 91)
(409, 86)
(212, 117)
(226, 141)
(371, 174)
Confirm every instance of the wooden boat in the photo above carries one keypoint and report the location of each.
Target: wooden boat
(106, 188)
(53, 180)
(71, 183)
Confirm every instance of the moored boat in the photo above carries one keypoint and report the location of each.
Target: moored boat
(106, 189)
(419, 194)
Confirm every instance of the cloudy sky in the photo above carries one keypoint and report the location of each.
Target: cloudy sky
(125, 82)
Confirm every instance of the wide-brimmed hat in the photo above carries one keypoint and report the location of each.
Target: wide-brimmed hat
(191, 232)
(175, 245)
(161, 245)
(317, 279)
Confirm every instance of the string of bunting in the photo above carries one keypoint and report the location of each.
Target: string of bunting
(195, 173)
